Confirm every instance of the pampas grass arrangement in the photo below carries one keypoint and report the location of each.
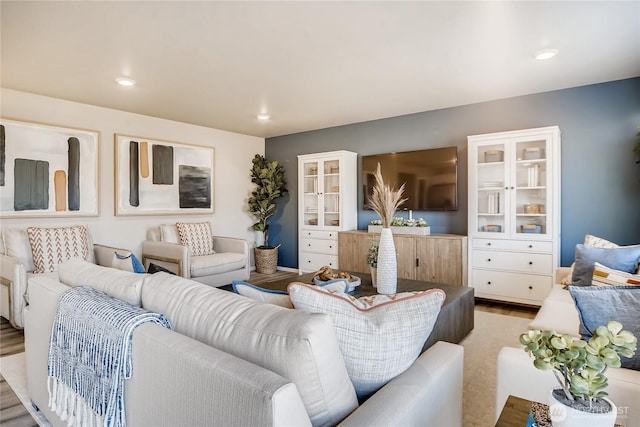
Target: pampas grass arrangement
(385, 200)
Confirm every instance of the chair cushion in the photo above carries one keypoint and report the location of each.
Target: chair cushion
(380, 336)
(120, 284)
(297, 345)
(51, 246)
(196, 235)
(220, 262)
(16, 244)
(558, 312)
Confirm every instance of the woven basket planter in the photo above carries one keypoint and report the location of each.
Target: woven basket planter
(266, 260)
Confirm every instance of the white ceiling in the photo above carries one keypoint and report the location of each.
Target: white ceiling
(310, 65)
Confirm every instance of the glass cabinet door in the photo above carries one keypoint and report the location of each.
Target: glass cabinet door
(531, 184)
(492, 189)
(331, 193)
(311, 199)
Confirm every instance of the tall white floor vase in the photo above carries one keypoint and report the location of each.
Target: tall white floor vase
(387, 265)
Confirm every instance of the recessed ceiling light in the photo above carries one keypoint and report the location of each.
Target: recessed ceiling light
(263, 116)
(546, 54)
(125, 81)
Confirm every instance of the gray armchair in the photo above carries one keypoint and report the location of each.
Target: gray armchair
(229, 262)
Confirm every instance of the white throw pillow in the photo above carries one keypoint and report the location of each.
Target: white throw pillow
(603, 275)
(52, 246)
(16, 244)
(196, 235)
(380, 336)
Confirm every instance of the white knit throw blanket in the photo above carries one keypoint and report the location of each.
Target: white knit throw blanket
(90, 356)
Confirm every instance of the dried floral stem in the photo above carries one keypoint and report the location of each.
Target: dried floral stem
(385, 200)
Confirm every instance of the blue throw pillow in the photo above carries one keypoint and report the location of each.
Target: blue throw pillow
(128, 262)
(599, 304)
(624, 258)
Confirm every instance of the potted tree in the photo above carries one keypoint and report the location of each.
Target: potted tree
(579, 367)
(270, 185)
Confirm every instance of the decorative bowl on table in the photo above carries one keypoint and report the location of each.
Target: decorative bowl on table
(326, 276)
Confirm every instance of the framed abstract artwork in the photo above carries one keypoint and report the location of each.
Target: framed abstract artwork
(47, 171)
(155, 177)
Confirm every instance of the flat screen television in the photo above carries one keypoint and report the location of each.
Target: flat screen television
(430, 177)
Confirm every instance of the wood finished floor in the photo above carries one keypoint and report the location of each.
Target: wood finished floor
(14, 414)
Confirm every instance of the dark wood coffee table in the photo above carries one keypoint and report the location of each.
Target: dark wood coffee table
(455, 320)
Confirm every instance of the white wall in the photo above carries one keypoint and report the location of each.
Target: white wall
(232, 183)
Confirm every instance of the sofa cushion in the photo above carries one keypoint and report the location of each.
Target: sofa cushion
(624, 258)
(217, 263)
(51, 246)
(599, 304)
(297, 345)
(16, 245)
(119, 284)
(592, 241)
(197, 236)
(380, 336)
(603, 275)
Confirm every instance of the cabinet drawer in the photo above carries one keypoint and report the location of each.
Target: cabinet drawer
(514, 261)
(511, 285)
(321, 246)
(513, 245)
(310, 262)
(319, 234)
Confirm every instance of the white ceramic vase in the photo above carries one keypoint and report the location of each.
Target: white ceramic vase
(564, 416)
(374, 273)
(387, 279)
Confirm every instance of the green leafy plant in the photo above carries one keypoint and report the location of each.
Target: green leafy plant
(270, 185)
(372, 256)
(578, 365)
(397, 221)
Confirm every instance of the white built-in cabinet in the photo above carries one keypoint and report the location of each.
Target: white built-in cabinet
(514, 214)
(327, 203)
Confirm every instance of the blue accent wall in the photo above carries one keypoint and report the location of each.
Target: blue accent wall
(600, 178)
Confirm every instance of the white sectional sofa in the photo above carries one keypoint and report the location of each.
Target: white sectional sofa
(233, 361)
(518, 377)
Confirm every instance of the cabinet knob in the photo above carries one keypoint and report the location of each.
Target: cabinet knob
(330, 235)
(330, 246)
(309, 262)
(309, 244)
(506, 188)
(530, 246)
(530, 262)
(512, 188)
(488, 243)
(488, 283)
(530, 287)
(488, 259)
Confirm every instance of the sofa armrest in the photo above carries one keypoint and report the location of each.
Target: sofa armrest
(206, 386)
(13, 288)
(429, 393)
(517, 376)
(561, 273)
(172, 256)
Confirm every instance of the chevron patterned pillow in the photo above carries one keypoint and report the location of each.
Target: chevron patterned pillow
(196, 235)
(51, 246)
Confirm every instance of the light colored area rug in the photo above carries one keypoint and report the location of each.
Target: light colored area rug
(491, 332)
(13, 369)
